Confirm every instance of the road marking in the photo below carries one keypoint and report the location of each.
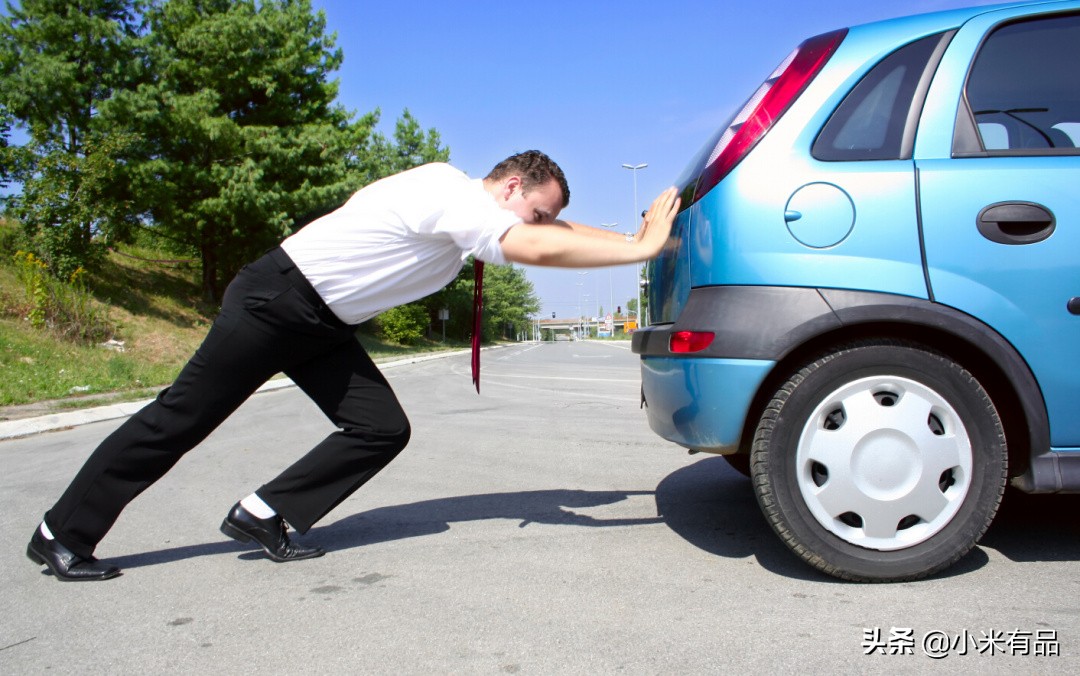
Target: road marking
(583, 380)
(630, 397)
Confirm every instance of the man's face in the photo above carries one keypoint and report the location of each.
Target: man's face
(539, 205)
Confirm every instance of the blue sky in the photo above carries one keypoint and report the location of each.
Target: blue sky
(595, 84)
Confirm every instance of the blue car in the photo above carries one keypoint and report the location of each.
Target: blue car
(870, 301)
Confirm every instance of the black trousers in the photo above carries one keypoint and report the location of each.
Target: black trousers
(271, 321)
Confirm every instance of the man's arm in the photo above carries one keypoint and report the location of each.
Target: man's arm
(573, 245)
(592, 231)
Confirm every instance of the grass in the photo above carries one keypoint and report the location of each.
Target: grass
(382, 351)
(160, 319)
(35, 369)
(157, 316)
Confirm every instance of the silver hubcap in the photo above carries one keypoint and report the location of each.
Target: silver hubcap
(884, 463)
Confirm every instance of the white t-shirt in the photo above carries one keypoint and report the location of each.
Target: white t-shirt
(399, 239)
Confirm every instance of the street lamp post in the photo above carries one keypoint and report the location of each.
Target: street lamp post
(611, 292)
(579, 284)
(637, 216)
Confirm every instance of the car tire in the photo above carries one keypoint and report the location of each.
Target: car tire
(880, 461)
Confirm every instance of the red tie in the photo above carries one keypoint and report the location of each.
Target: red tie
(478, 311)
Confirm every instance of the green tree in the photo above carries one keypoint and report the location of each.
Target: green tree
(7, 160)
(411, 147)
(59, 60)
(73, 204)
(240, 139)
(509, 300)
(457, 298)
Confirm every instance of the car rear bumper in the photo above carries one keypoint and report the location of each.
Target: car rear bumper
(743, 330)
(700, 403)
(701, 400)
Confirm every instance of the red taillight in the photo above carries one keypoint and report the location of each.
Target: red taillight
(769, 102)
(690, 341)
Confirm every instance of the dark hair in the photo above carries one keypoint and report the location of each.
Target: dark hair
(535, 169)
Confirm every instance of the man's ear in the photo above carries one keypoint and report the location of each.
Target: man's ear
(510, 185)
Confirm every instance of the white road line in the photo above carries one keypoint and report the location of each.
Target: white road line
(584, 380)
(629, 397)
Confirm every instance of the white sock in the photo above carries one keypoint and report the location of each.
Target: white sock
(45, 532)
(259, 509)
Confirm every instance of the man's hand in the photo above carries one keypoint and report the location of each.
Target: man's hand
(656, 224)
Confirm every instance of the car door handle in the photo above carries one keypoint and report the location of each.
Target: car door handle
(1016, 222)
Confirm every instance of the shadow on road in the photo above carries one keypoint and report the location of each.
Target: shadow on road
(427, 517)
(180, 553)
(1036, 527)
(713, 507)
(707, 503)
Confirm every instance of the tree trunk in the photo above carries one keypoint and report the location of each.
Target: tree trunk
(210, 287)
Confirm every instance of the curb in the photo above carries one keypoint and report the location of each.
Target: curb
(14, 429)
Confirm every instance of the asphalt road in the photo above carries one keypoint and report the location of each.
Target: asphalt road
(539, 527)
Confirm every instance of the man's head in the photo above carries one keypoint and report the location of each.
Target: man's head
(531, 185)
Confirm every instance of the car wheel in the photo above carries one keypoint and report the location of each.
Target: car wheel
(880, 461)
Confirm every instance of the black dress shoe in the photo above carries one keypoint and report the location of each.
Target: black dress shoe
(65, 564)
(269, 534)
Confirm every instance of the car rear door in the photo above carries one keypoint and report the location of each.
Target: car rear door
(998, 174)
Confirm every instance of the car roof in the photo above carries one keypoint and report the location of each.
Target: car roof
(953, 18)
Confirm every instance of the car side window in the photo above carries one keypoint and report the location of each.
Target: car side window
(875, 120)
(1021, 94)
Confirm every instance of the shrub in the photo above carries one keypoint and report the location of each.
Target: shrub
(11, 237)
(64, 307)
(405, 324)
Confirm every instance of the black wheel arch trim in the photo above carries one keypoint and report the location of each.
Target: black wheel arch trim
(799, 315)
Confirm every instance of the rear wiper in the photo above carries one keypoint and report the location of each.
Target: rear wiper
(1014, 114)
